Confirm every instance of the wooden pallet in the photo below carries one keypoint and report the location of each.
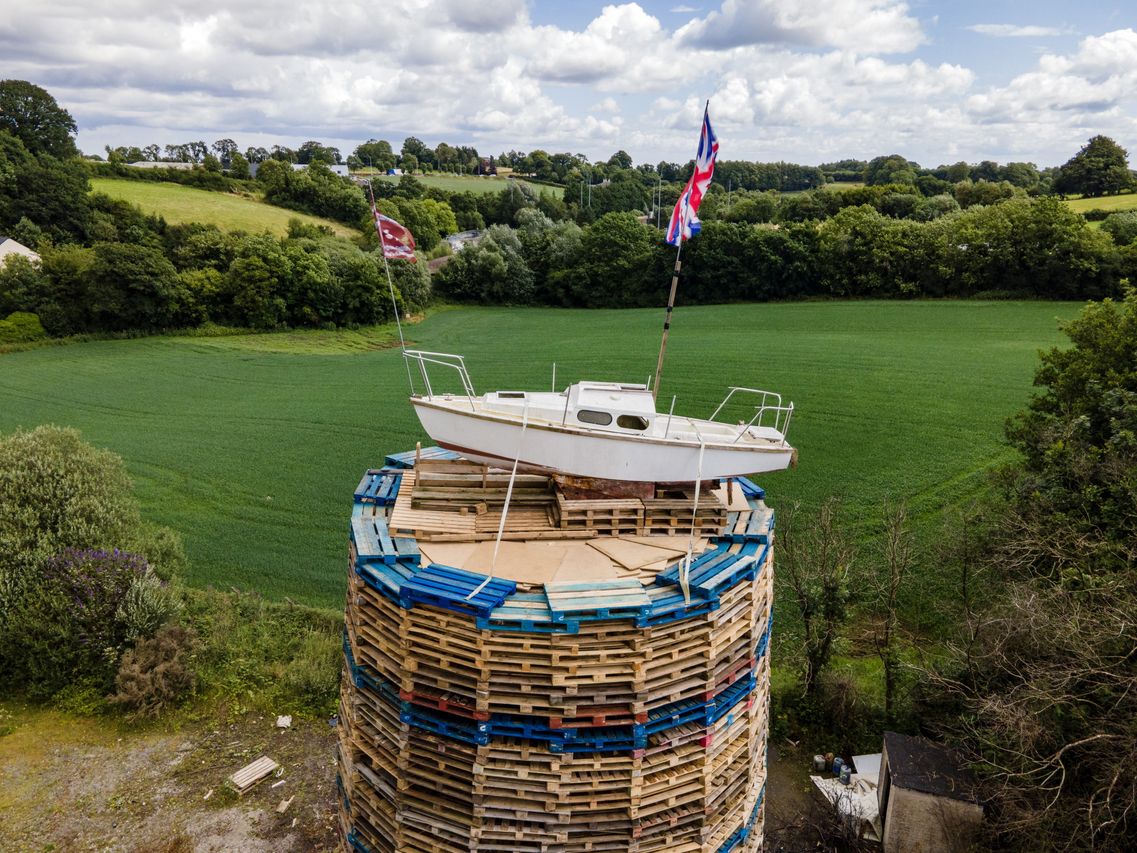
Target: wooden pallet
(245, 779)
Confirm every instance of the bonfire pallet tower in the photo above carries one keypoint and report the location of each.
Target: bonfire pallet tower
(576, 700)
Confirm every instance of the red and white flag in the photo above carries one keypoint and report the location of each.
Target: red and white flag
(397, 241)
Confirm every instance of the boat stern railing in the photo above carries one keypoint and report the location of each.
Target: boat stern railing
(447, 360)
(769, 412)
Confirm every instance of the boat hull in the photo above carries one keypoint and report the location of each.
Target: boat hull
(585, 453)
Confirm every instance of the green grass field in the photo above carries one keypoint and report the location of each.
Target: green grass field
(470, 183)
(1109, 202)
(179, 204)
(251, 446)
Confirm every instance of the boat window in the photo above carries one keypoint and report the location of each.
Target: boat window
(511, 395)
(588, 416)
(631, 422)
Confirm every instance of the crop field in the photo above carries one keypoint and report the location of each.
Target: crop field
(180, 204)
(470, 183)
(251, 446)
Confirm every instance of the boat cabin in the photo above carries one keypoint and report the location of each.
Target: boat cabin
(611, 406)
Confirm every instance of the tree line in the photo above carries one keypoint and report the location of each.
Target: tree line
(906, 232)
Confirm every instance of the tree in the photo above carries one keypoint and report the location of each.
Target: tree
(620, 160)
(1121, 226)
(1099, 168)
(130, 287)
(225, 149)
(49, 192)
(1043, 699)
(377, 154)
(31, 115)
(892, 169)
(416, 148)
(491, 271)
(816, 559)
(896, 563)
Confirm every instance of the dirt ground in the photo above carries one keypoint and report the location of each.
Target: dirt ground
(76, 784)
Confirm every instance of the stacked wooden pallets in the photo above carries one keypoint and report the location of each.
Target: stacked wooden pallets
(593, 715)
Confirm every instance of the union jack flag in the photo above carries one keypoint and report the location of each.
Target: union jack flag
(397, 241)
(684, 223)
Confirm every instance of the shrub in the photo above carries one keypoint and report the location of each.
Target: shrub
(74, 589)
(156, 673)
(147, 605)
(1122, 227)
(57, 492)
(21, 327)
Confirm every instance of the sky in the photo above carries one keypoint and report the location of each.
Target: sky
(806, 81)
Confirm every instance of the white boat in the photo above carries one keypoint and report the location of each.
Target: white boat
(601, 430)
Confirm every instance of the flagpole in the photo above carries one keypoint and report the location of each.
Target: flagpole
(683, 222)
(390, 285)
(667, 318)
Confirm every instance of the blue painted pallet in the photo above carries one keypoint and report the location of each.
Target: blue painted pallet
(734, 839)
(379, 487)
(385, 578)
(357, 843)
(602, 739)
(343, 794)
(668, 605)
(725, 701)
(532, 728)
(448, 588)
(677, 714)
(527, 612)
(456, 728)
(427, 454)
(763, 643)
(624, 598)
(759, 526)
(715, 571)
(757, 806)
(749, 488)
(374, 543)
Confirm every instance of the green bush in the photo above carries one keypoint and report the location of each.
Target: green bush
(71, 599)
(21, 327)
(57, 492)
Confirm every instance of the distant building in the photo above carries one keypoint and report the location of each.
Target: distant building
(10, 247)
(927, 800)
(340, 170)
(161, 164)
(457, 241)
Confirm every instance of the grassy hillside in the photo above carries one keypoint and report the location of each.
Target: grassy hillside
(1109, 202)
(251, 446)
(180, 204)
(469, 183)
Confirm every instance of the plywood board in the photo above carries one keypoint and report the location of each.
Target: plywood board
(629, 554)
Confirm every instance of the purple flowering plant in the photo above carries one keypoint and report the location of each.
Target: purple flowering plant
(94, 582)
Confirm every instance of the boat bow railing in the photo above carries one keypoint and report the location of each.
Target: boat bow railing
(768, 413)
(447, 360)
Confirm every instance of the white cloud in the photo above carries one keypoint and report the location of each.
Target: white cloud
(1099, 77)
(1016, 31)
(804, 81)
(684, 10)
(870, 26)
